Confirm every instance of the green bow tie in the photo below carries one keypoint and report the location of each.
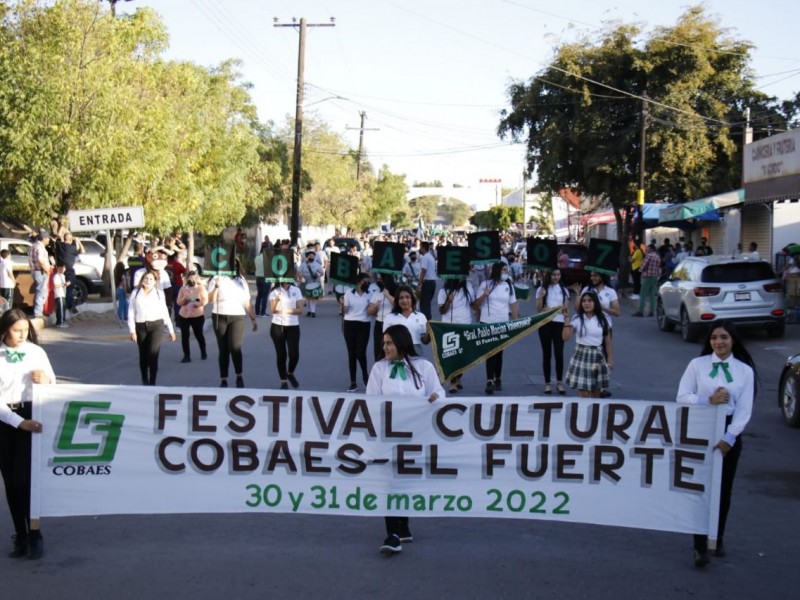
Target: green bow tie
(14, 355)
(724, 365)
(398, 367)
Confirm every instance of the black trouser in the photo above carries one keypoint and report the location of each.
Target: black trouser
(196, 325)
(637, 281)
(377, 341)
(550, 338)
(15, 465)
(61, 310)
(287, 345)
(8, 294)
(356, 337)
(494, 366)
(426, 298)
(729, 464)
(262, 293)
(229, 330)
(148, 337)
(397, 526)
(72, 279)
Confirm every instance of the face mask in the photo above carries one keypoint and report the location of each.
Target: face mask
(190, 284)
(365, 286)
(504, 277)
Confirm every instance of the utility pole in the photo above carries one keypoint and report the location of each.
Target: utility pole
(640, 195)
(298, 119)
(362, 129)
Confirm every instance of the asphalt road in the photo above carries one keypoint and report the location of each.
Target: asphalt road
(249, 556)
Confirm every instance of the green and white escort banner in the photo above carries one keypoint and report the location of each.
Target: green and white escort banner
(459, 347)
(148, 450)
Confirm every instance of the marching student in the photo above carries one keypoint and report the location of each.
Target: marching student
(147, 316)
(286, 304)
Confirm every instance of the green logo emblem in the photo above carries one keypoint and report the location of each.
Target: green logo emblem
(81, 416)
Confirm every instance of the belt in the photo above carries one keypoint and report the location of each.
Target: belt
(17, 405)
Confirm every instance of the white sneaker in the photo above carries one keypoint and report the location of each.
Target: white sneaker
(634, 296)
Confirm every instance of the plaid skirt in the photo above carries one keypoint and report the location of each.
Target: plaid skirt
(588, 370)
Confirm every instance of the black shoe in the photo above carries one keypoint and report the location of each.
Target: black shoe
(701, 559)
(284, 386)
(223, 383)
(605, 394)
(308, 313)
(489, 387)
(719, 552)
(405, 535)
(203, 356)
(186, 359)
(239, 381)
(498, 385)
(20, 547)
(391, 545)
(293, 380)
(74, 310)
(637, 314)
(353, 387)
(313, 315)
(35, 545)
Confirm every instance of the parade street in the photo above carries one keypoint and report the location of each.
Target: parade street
(192, 556)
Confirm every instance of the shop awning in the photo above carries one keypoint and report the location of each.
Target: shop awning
(704, 209)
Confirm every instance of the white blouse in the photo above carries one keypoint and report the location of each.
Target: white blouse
(496, 306)
(148, 307)
(15, 378)
(697, 386)
(555, 297)
(288, 300)
(460, 311)
(416, 323)
(355, 306)
(590, 334)
(233, 295)
(380, 382)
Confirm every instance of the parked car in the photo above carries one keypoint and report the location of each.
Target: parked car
(788, 389)
(94, 254)
(89, 279)
(705, 289)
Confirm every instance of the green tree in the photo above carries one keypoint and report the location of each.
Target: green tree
(425, 207)
(387, 195)
(456, 212)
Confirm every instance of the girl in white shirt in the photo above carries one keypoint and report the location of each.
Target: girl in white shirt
(147, 316)
(23, 363)
(230, 298)
(589, 369)
(551, 294)
(455, 305)
(495, 298)
(402, 373)
(286, 304)
(405, 313)
(380, 305)
(724, 373)
(356, 328)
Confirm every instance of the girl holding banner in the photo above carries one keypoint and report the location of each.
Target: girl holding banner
(356, 328)
(24, 363)
(551, 294)
(402, 373)
(454, 301)
(495, 298)
(147, 316)
(589, 368)
(231, 302)
(724, 373)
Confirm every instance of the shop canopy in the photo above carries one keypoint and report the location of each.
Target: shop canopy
(705, 209)
(650, 213)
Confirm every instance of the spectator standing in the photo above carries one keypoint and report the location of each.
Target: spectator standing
(7, 280)
(39, 263)
(651, 271)
(67, 251)
(636, 258)
(60, 287)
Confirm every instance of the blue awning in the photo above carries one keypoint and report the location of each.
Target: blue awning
(705, 209)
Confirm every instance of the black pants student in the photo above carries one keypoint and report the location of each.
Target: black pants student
(148, 337)
(552, 344)
(494, 367)
(356, 338)
(15, 465)
(729, 464)
(397, 526)
(229, 330)
(287, 345)
(377, 341)
(196, 325)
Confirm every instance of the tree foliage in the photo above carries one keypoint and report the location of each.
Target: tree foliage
(497, 217)
(587, 137)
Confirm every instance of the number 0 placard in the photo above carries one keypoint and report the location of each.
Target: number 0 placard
(542, 253)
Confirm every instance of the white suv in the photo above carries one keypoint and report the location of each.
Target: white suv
(705, 289)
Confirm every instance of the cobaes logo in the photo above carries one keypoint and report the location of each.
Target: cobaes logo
(451, 344)
(87, 440)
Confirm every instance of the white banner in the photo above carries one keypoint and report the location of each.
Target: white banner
(143, 450)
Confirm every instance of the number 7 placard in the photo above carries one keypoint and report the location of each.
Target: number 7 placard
(603, 256)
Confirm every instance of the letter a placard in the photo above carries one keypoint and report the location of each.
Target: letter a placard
(484, 247)
(387, 257)
(278, 265)
(603, 256)
(220, 259)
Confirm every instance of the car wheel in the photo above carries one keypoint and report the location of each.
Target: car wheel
(777, 330)
(664, 324)
(787, 397)
(80, 292)
(689, 332)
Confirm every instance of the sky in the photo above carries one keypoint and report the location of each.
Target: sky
(431, 75)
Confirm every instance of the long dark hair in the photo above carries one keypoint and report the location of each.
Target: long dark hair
(497, 271)
(404, 288)
(598, 312)
(547, 282)
(453, 285)
(738, 351)
(10, 318)
(401, 338)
